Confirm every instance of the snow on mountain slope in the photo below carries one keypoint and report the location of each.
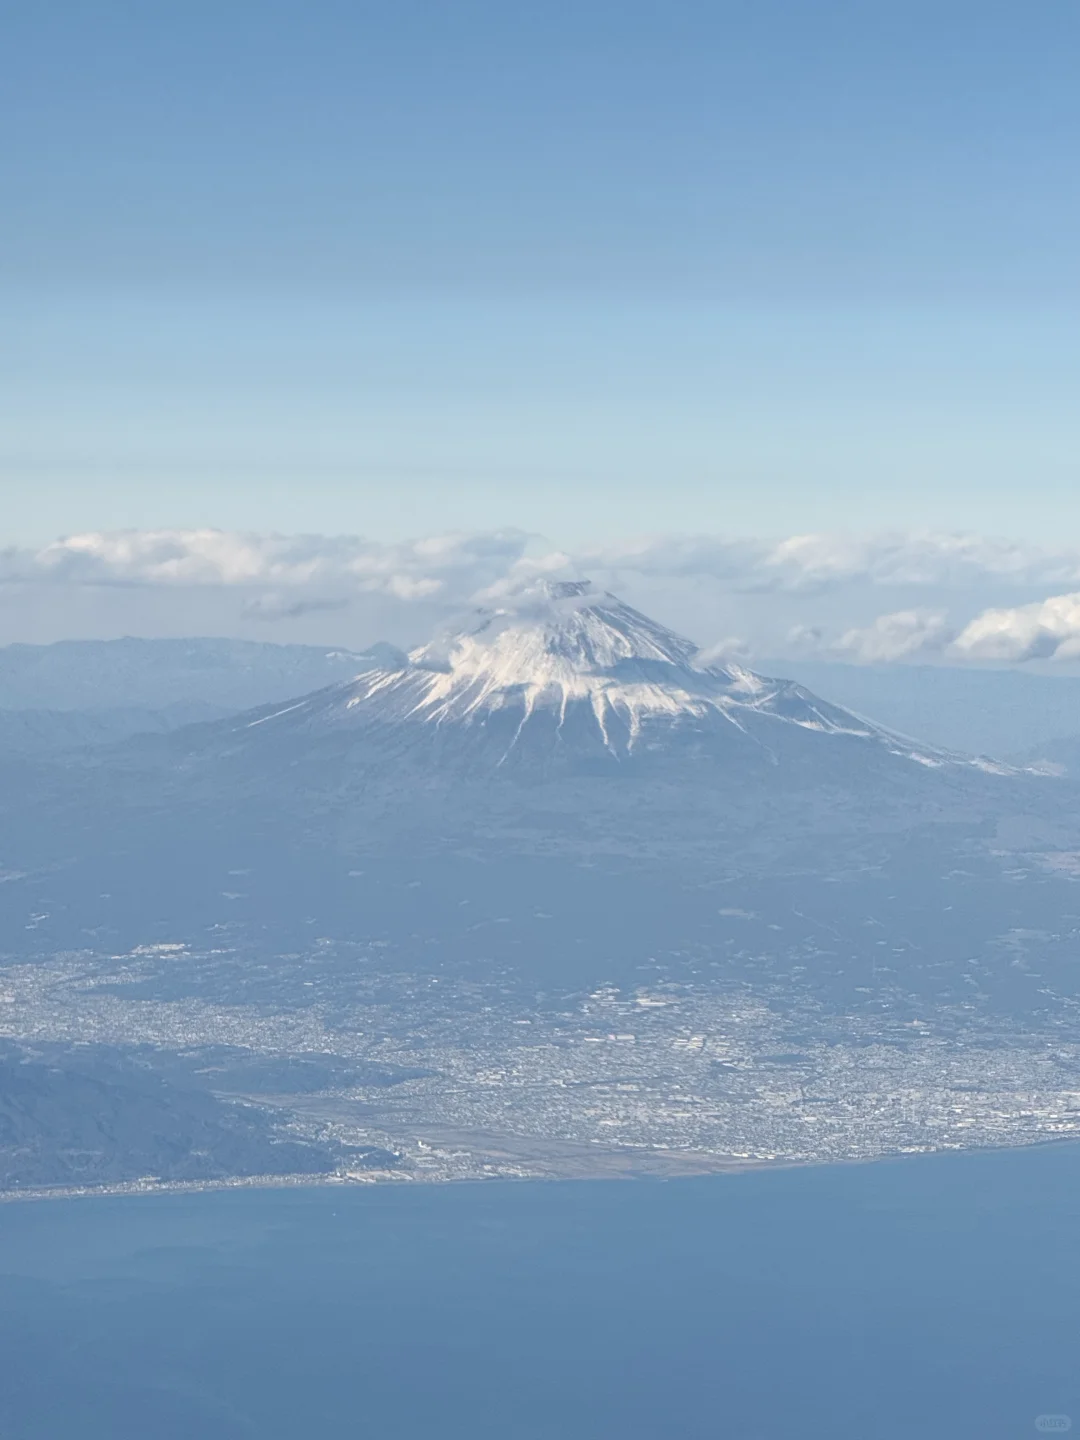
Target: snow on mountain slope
(564, 672)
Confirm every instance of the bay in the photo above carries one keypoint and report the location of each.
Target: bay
(922, 1297)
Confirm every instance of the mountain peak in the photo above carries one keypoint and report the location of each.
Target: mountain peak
(554, 633)
(563, 674)
(563, 589)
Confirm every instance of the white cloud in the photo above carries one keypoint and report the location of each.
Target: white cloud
(804, 640)
(1047, 630)
(903, 635)
(325, 569)
(827, 586)
(731, 651)
(464, 564)
(819, 561)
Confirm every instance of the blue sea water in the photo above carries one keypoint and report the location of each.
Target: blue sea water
(927, 1297)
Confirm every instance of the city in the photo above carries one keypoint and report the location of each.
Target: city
(464, 1080)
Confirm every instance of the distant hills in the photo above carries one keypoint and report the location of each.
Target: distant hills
(39, 732)
(1002, 713)
(137, 674)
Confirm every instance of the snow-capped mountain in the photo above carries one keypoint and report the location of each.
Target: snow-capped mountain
(564, 673)
(558, 752)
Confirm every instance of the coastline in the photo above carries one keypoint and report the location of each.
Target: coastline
(358, 1180)
(696, 1167)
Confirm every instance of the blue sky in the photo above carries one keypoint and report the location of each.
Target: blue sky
(587, 269)
(731, 272)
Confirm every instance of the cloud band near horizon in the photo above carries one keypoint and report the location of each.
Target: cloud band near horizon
(283, 577)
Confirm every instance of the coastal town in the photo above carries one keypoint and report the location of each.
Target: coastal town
(446, 1079)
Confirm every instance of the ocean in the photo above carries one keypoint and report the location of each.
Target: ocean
(930, 1296)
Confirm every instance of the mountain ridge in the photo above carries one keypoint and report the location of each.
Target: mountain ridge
(137, 673)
